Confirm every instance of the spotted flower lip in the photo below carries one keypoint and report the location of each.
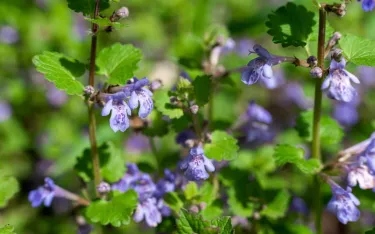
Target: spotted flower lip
(344, 204)
(337, 84)
(260, 67)
(140, 96)
(147, 210)
(196, 165)
(361, 175)
(120, 111)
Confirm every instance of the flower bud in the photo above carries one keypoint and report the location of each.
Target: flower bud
(88, 90)
(103, 188)
(173, 100)
(194, 109)
(121, 13)
(156, 84)
(313, 61)
(316, 72)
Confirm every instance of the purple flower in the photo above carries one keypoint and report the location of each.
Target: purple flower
(147, 210)
(366, 75)
(344, 204)
(345, 113)
(260, 67)
(144, 186)
(43, 194)
(132, 174)
(368, 5)
(298, 205)
(5, 111)
(278, 80)
(196, 165)
(165, 185)
(137, 143)
(8, 35)
(369, 155)
(185, 135)
(293, 93)
(140, 95)
(120, 110)
(55, 96)
(337, 84)
(361, 175)
(256, 113)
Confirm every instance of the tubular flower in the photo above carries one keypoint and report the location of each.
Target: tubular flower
(120, 111)
(337, 84)
(196, 165)
(140, 96)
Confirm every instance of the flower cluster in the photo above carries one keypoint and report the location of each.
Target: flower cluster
(151, 207)
(121, 103)
(361, 172)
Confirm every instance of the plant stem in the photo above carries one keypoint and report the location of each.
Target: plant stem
(316, 121)
(92, 121)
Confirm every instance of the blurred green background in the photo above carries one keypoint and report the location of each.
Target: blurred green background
(42, 130)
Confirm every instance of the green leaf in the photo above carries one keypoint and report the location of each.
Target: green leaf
(61, 70)
(112, 163)
(191, 190)
(118, 62)
(8, 188)
(208, 192)
(181, 123)
(115, 167)
(213, 210)
(105, 22)
(258, 161)
(116, 212)
(290, 25)
(162, 104)
(331, 132)
(202, 89)
(224, 224)
(238, 207)
(222, 146)
(290, 154)
(87, 7)
(7, 229)
(189, 223)
(278, 207)
(360, 51)
(173, 201)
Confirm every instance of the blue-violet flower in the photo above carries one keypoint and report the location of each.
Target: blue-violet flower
(196, 165)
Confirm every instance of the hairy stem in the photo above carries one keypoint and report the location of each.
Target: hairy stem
(92, 121)
(316, 121)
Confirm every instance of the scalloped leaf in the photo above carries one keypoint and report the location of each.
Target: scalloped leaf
(87, 7)
(118, 62)
(61, 70)
(116, 212)
(358, 50)
(8, 188)
(290, 25)
(222, 147)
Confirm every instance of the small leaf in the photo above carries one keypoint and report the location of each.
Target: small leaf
(8, 188)
(191, 190)
(173, 201)
(118, 62)
(213, 210)
(87, 7)
(278, 207)
(222, 146)
(116, 212)
(162, 104)
(189, 223)
(202, 89)
(224, 224)
(360, 51)
(61, 70)
(7, 229)
(290, 154)
(290, 25)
